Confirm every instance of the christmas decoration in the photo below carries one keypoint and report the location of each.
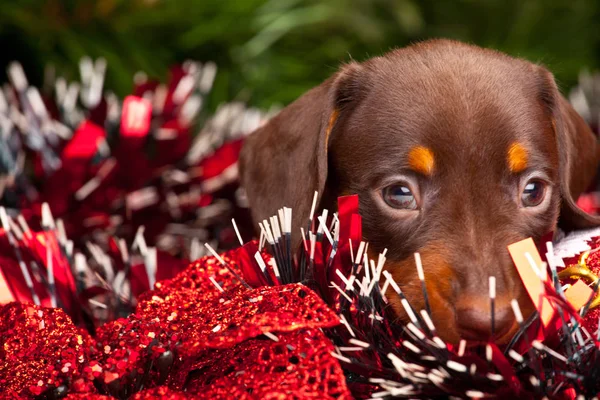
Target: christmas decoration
(104, 166)
(134, 192)
(554, 353)
(238, 323)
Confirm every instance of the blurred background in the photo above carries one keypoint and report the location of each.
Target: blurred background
(270, 51)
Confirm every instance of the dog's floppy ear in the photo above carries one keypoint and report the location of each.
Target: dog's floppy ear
(578, 152)
(284, 162)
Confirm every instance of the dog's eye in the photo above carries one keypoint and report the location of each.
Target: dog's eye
(400, 197)
(533, 193)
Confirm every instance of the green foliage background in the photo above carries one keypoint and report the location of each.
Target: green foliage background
(270, 51)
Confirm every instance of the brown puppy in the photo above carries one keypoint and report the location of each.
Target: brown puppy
(455, 152)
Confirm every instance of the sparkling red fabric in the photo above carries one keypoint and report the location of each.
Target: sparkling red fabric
(42, 351)
(87, 396)
(133, 353)
(297, 366)
(234, 316)
(162, 393)
(187, 339)
(197, 276)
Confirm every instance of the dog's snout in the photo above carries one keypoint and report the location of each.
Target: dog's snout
(474, 321)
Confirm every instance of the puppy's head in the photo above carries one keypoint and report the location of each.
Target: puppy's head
(455, 153)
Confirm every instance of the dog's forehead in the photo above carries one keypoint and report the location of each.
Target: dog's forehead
(473, 107)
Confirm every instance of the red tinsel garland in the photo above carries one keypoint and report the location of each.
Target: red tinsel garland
(133, 191)
(204, 334)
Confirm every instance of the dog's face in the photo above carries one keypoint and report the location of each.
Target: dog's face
(455, 153)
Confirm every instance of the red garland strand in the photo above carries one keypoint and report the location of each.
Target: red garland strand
(203, 334)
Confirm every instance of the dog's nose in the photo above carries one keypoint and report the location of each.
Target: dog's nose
(476, 323)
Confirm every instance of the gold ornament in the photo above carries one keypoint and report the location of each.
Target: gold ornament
(582, 271)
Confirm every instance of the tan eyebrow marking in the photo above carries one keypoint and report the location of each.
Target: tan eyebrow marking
(421, 160)
(517, 157)
(332, 119)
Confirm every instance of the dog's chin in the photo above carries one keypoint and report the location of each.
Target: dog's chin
(449, 332)
(508, 336)
(444, 319)
(454, 337)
